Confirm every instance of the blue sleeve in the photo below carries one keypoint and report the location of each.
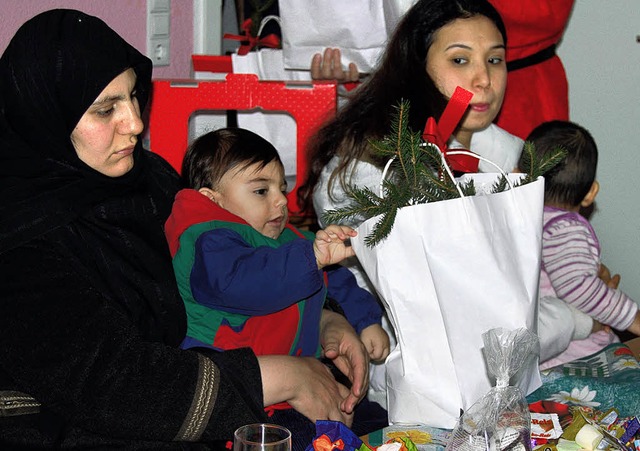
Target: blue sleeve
(231, 275)
(360, 307)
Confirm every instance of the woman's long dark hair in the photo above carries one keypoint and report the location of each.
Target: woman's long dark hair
(401, 74)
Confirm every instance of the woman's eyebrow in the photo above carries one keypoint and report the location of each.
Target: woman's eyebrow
(108, 99)
(458, 46)
(467, 47)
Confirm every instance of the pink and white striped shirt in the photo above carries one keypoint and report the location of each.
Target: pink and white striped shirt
(570, 265)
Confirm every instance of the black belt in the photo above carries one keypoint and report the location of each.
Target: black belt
(530, 60)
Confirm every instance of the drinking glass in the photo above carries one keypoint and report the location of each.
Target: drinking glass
(262, 437)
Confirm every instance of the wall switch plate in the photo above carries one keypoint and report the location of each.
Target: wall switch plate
(159, 31)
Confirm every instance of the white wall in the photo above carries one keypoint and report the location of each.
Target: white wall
(602, 59)
(126, 17)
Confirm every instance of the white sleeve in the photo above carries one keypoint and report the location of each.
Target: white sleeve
(359, 174)
(555, 327)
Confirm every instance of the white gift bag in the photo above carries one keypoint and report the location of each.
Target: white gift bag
(279, 128)
(448, 272)
(359, 28)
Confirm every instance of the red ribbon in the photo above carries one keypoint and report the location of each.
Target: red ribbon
(270, 410)
(249, 42)
(439, 133)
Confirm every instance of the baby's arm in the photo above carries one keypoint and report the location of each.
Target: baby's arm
(329, 247)
(612, 282)
(635, 326)
(229, 273)
(376, 341)
(361, 308)
(576, 275)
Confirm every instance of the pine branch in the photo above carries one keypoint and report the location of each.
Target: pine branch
(502, 184)
(365, 204)
(382, 228)
(533, 166)
(417, 175)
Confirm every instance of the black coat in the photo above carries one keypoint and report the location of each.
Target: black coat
(90, 315)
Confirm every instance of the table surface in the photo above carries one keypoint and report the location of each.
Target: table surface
(633, 344)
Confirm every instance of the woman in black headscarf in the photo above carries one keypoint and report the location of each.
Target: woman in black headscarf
(90, 317)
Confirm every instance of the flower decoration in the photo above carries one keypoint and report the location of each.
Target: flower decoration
(625, 364)
(577, 397)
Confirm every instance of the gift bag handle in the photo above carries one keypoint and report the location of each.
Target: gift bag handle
(447, 168)
(263, 23)
(266, 20)
(475, 155)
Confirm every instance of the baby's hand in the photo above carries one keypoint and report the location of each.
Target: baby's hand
(376, 341)
(605, 275)
(329, 246)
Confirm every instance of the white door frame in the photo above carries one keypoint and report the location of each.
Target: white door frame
(207, 27)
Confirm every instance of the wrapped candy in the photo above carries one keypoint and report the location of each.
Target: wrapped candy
(500, 420)
(334, 435)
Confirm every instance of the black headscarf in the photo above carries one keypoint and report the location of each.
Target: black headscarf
(53, 69)
(55, 66)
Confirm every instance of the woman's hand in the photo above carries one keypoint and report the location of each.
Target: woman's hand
(342, 345)
(328, 66)
(305, 383)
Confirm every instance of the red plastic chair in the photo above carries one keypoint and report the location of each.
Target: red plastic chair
(174, 101)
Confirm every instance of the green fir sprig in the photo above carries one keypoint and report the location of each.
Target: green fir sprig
(416, 176)
(533, 165)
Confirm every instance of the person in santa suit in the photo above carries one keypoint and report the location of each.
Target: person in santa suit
(537, 87)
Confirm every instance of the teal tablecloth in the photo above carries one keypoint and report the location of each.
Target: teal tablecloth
(607, 379)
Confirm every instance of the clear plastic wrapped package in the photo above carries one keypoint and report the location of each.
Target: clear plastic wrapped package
(500, 420)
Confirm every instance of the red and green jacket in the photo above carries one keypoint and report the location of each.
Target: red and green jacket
(243, 289)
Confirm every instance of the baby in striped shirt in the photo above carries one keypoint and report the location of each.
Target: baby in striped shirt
(571, 268)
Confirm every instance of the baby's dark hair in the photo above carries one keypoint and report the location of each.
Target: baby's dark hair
(215, 153)
(569, 182)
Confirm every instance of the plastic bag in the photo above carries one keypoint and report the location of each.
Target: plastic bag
(500, 420)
